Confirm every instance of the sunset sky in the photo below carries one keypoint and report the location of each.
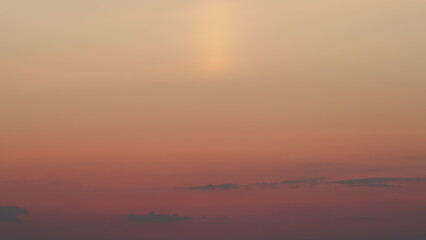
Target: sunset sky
(212, 120)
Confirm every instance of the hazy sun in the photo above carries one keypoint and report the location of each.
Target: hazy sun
(217, 30)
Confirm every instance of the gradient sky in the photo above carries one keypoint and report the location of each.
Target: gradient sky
(183, 107)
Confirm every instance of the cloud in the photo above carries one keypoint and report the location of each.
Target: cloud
(153, 217)
(11, 213)
(377, 182)
(310, 182)
(223, 218)
(226, 186)
(263, 185)
(291, 183)
(355, 218)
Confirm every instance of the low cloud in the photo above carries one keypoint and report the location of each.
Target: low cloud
(153, 217)
(292, 183)
(11, 213)
(214, 218)
(263, 185)
(377, 182)
(311, 182)
(226, 186)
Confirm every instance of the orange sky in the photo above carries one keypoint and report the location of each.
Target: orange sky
(105, 102)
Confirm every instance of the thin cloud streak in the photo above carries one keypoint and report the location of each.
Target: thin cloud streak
(378, 182)
(292, 183)
(226, 186)
(153, 217)
(310, 182)
(262, 185)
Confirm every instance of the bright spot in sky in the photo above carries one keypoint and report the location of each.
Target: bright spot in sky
(217, 33)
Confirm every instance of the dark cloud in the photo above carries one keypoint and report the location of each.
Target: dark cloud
(214, 218)
(310, 182)
(11, 213)
(227, 186)
(153, 217)
(377, 182)
(353, 218)
(291, 183)
(265, 185)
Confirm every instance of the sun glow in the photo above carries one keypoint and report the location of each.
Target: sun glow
(216, 36)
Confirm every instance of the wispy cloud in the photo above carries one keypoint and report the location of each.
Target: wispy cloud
(263, 185)
(11, 213)
(153, 217)
(311, 182)
(226, 186)
(377, 182)
(214, 218)
(291, 183)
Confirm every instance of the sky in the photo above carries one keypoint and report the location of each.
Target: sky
(212, 119)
